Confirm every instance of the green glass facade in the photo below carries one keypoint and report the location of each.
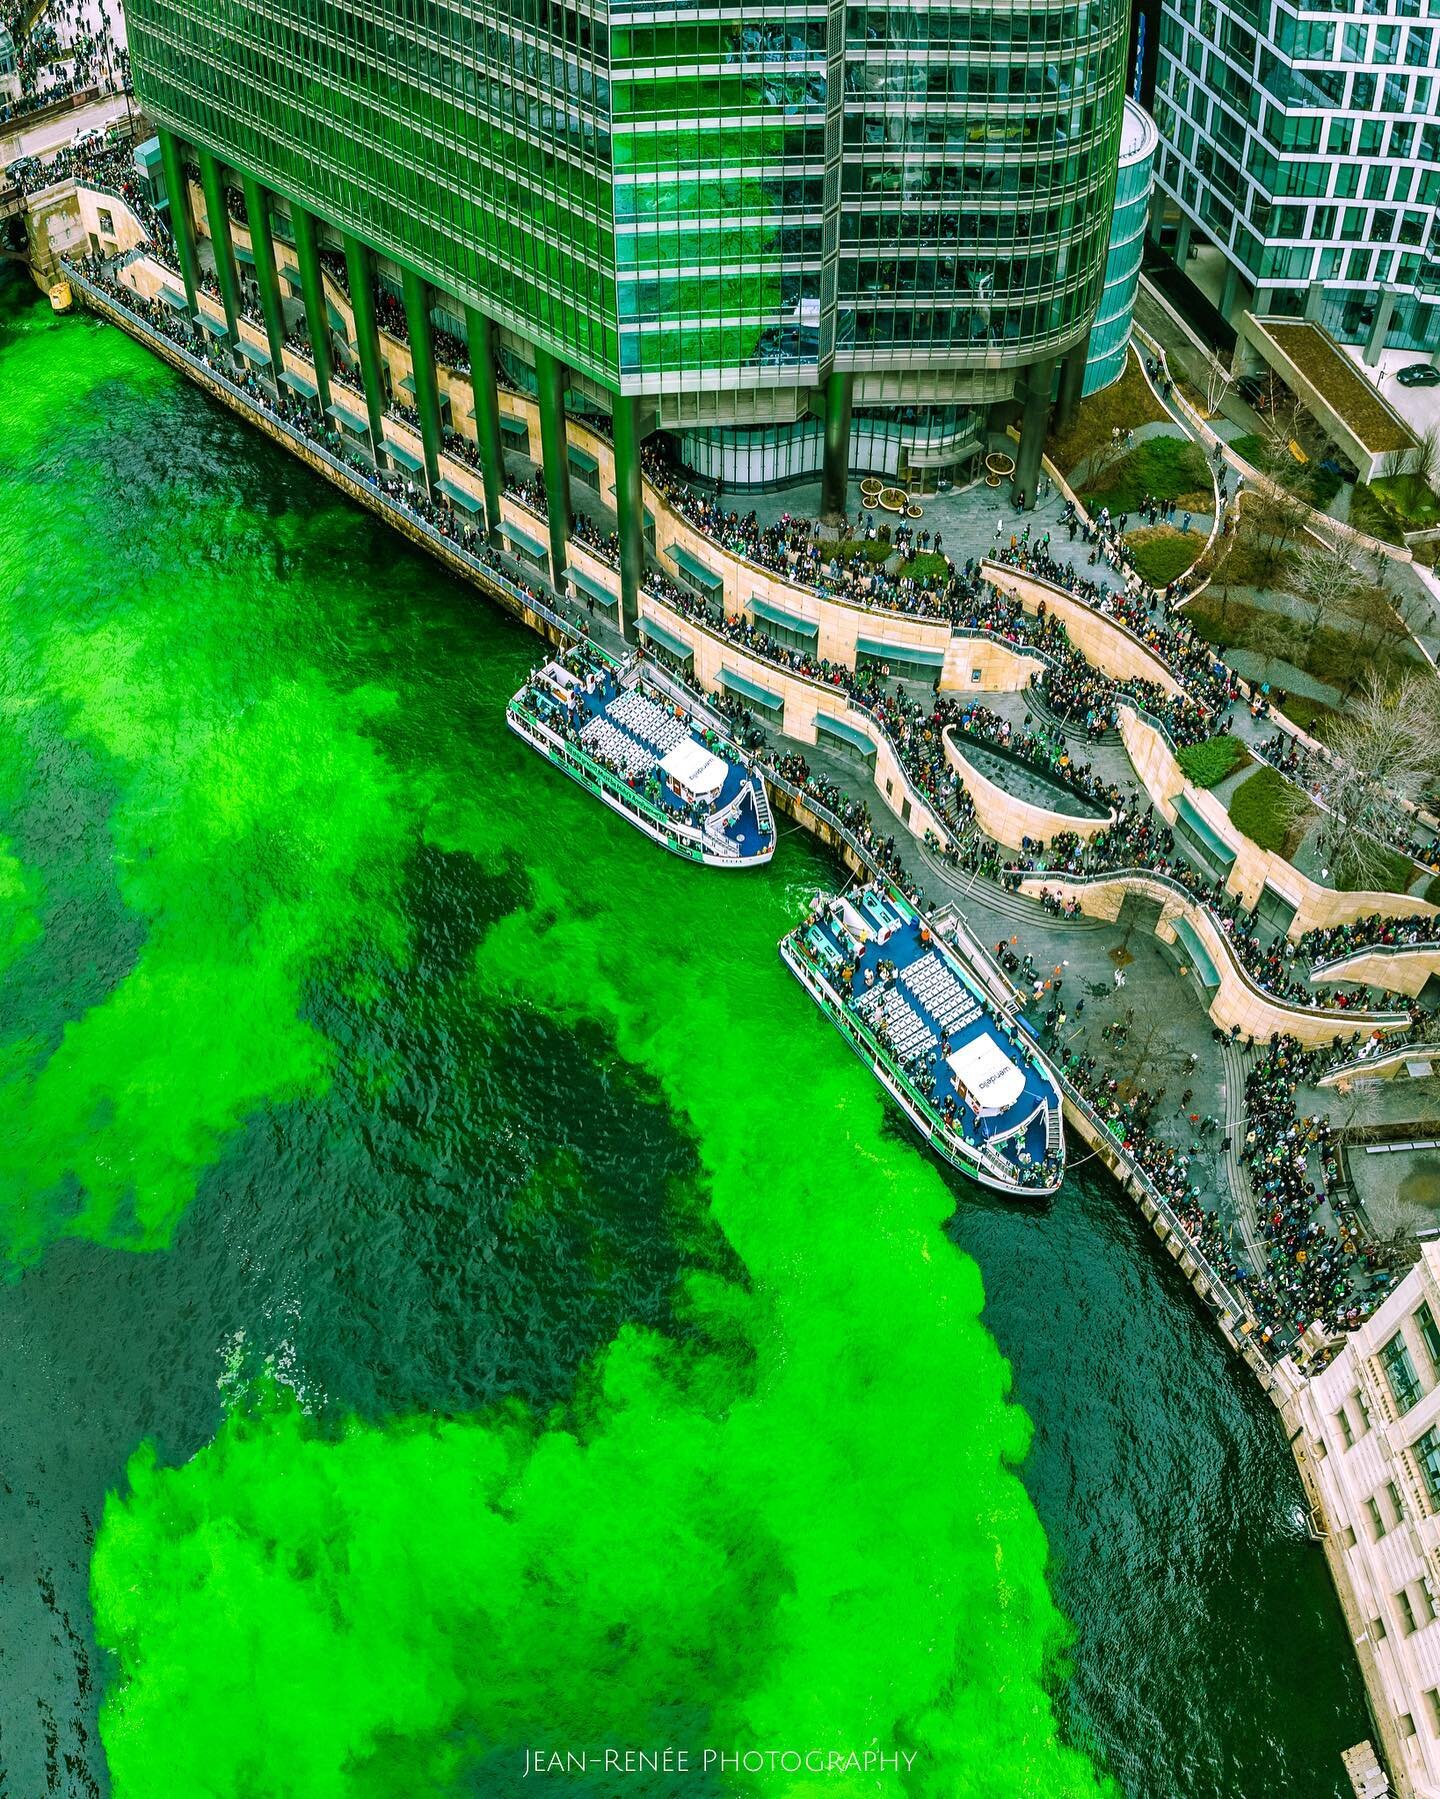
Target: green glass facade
(841, 225)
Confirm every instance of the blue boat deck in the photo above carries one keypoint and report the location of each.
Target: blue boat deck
(927, 1010)
(631, 732)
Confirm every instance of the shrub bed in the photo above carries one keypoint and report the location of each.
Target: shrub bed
(1169, 468)
(1207, 764)
(1263, 807)
(1161, 552)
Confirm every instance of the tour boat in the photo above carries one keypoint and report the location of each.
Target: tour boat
(967, 1078)
(644, 753)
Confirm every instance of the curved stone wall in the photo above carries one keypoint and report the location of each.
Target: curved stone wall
(1104, 642)
(1002, 815)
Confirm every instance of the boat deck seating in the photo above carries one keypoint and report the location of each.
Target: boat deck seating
(602, 739)
(650, 722)
(932, 983)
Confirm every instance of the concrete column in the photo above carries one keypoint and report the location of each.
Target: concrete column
(262, 242)
(1182, 242)
(835, 472)
(629, 508)
(1230, 291)
(1315, 301)
(555, 450)
(221, 242)
(422, 357)
(182, 226)
(1033, 422)
(487, 414)
(312, 287)
(1072, 382)
(1155, 224)
(360, 267)
(1380, 330)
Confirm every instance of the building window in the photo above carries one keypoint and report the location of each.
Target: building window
(1342, 1418)
(1397, 1505)
(1407, 1612)
(1433, 1695)
(1378, 1630)
(1400, 1372)
(1425, 1319)
(1377, 1519)
(1363, 1409)
(1349, 1537)
(1426, 1451)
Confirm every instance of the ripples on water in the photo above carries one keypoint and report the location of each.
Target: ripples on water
(399, 1188)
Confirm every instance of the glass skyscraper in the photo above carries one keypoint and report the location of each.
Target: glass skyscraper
(797, 240)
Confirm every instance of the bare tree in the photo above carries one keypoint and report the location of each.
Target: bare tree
(1271, 637)
(1325, 576)
(1385, 751)
(1218, 380)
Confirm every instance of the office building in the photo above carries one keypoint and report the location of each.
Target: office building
(803, 240)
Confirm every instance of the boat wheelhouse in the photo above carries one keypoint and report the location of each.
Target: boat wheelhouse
(966, 1076)
(646, 755)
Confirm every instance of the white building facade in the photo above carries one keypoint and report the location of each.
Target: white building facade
(1304, 142)
(1370, 1455)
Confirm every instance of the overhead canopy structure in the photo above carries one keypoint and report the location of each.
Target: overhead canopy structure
(693, 772)
(991, 1081)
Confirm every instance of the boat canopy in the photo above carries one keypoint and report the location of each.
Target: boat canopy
(986, 1075)
(693, 772)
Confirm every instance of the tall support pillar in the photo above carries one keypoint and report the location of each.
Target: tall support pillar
(1380, 328)
(629, 508)
(221, 242)
(486, 392)
(360, 266)
(1033, 421)
(555, 450)
(1072, 382)
(835, 472)
(312, 288)
(1182, 242)
(1230, 292)
(182, 226)
(262, 245)
(422, 360)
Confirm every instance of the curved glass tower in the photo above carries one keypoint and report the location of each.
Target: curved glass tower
(1110, 334)
(786, 236)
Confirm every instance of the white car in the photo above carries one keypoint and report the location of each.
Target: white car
(87, 138)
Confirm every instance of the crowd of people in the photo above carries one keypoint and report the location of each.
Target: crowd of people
(1382, 817)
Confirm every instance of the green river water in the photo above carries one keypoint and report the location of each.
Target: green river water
(463, 1297)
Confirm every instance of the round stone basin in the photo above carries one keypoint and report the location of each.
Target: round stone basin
(1022, 781)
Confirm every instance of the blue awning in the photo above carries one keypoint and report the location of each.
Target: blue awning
(292, 279)
(531, 545)
(752, 691)
(777, 615)
(1186, 814)
(461, 496)
(172, 298)
(300, 383)
(514, 428)
(845, 731)
(900, 652)
(704, 578)
(408, 383)
(343, 415)
(587, 584)
(1196, 950)
(667, 640)
(261, 358)
(216, 329)
(582, 459)
(406, 458)
(243, 255)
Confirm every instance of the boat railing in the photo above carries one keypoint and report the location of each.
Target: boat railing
(606, 777)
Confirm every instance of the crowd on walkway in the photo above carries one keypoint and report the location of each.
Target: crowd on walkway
(1375, 932)
(1382, 818)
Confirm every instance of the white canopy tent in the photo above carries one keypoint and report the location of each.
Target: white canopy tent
(693, 772)
(991, 1080)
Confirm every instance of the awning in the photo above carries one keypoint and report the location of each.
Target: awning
(693, 771)
(587, 584)
(292, 279)
(531, 545)
(513, 427)
(1200, 957)
(337, 322)
(243, 255)
(992, 1082)
(900, 652)
(261, 358)
(777, 615)
(406, 458)
(752, 691)
(582, 459)
(462, 496)
(299, 383)
(408, 383)
(216, 328)
(1187, 815)
(343, 415)
(667, 640)
(177, 300)
(846, 732)
(704, 578)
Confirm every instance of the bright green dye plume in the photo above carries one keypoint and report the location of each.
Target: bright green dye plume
(791, 1524)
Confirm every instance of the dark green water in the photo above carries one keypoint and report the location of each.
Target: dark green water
(541, 1334)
